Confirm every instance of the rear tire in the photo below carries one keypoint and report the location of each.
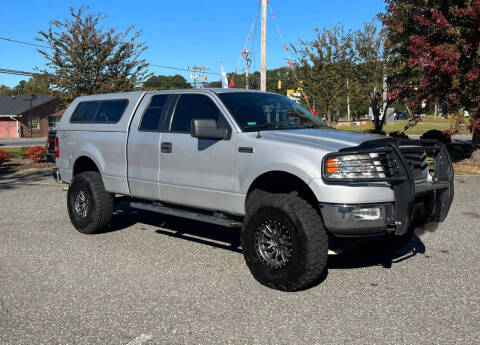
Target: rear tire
(90, 206)
(284, 242)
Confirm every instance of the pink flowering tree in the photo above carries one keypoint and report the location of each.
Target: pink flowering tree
(435, 46)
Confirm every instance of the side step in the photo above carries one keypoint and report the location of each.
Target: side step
(178, 212)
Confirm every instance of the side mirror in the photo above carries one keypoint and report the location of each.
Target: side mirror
(207, 129)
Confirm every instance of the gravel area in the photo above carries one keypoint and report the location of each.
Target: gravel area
(154, 279)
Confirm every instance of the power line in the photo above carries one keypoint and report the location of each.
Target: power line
(31, 74)
(153, 65)
(23, 42)
(15, 72)
(181, 69)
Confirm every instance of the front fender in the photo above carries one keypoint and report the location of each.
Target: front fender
(247, 181)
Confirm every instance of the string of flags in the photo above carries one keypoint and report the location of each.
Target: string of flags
(289, 61)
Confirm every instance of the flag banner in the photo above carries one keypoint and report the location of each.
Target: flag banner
(224, 77)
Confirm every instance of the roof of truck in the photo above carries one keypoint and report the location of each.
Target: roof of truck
(140, 93)
(216, 90)
(233, 90)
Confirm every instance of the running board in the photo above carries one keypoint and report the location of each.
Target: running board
(171, 211)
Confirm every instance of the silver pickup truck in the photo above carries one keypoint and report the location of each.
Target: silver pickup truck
(253, 160)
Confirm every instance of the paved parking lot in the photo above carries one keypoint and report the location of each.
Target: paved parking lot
(162, 280)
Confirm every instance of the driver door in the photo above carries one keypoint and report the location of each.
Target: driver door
(197, 172)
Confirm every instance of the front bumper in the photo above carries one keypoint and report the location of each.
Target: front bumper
(339, 219)
(413, 203)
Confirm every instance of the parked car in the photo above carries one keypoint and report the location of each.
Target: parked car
(401, 115)
(249, 159)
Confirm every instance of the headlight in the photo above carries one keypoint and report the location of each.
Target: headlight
(362, 166)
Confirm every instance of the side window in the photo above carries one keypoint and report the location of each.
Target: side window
(153, 117)
(85, 112)
(111, 111)
(99, 111)
(191, 107)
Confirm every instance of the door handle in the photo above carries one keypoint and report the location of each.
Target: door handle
(166, 147)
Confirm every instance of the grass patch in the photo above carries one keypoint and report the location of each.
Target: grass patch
(465, 169)
(15, 151)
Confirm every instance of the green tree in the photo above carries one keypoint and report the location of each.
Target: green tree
(37, 84)
(370, 70)
(324, 65)
(34, 85)
(283, 74)
(5, 90)
(85, 58)
(162, 82)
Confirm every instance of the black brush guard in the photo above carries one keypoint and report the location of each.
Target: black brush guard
(401, 179)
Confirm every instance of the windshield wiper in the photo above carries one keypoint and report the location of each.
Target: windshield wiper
(261, 125)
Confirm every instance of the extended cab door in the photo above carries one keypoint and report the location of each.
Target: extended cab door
(197, 172)
(144, 146)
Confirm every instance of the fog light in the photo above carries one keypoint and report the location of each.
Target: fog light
(374, 213)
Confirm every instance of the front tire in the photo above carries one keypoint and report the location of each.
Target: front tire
(90, 206)
(284, 242)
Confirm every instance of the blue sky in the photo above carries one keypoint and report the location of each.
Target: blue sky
(182, 33)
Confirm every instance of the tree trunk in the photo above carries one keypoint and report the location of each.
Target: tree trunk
(376, 120)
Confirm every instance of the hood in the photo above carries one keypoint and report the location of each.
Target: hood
(330, 138)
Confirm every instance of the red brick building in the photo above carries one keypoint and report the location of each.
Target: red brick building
(28, 116)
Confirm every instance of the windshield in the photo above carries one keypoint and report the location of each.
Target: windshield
(262, 111)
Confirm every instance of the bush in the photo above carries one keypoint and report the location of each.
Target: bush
(4, 156)
(398, 134)
(438, 135)
(22, 151)
(373, 131)
(36, 154)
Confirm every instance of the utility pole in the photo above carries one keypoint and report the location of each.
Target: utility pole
(195, 76)
(263, 57)
(348, 101)
(246, 55)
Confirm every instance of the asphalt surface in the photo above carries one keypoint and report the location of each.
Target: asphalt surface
(23, 142)
(162, 280)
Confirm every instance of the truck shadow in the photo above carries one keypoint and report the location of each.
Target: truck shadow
(21, 179)
(229, 238)
(359, 257)
(195, 231)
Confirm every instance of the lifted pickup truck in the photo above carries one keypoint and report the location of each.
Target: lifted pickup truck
(253, 160)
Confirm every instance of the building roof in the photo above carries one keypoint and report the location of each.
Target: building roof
(16, 105)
